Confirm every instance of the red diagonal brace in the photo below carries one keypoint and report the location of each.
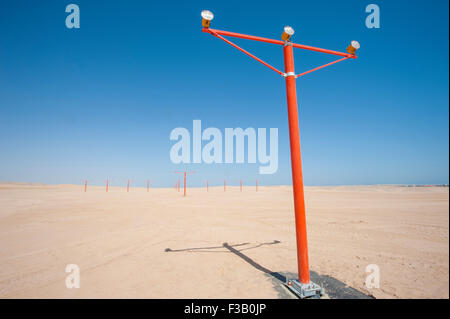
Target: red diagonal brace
(246, 52)
(320, 67)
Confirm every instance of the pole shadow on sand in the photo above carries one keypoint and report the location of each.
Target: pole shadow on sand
(334, 288)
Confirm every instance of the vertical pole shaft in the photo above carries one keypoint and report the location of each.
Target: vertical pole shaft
(128, 186)
(85, 186)
(184, 184)
(296, 163)
(241, 184)
(224, 185)
(148, 185)
(207, 186)
(107, 185)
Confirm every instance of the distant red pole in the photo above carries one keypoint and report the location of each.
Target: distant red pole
(148, 185)
(184, 184)
(256, 185)
(224, 185)
(107, 182)
(207, 186)
(85, 186)
(178, 185)
(185, 181)
(241, 185)
(128, 186)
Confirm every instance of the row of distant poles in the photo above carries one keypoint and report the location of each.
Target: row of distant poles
(108, 185)
(177, 185)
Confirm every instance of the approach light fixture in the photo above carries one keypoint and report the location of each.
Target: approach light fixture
(353, 47)
(207, 16)
(287, 33)
(303, 287)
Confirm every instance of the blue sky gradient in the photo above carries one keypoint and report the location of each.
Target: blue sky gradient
(101, 101)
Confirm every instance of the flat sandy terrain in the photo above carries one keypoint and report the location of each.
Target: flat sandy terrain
(161, 245)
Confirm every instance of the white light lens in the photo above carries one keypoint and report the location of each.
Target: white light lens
(289, 30)
(207, 15)
(355, 44)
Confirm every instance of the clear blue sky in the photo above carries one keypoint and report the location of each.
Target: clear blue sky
(101, 100)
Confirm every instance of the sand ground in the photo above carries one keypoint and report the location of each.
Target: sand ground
(161, 245)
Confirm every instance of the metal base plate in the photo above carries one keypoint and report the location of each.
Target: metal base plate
(311, 290)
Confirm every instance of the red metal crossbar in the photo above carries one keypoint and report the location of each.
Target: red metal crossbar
(279, 42)
(242, 36)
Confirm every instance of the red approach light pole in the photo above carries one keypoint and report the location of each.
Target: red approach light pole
(207, 186)
(184, 186)
(148, 185)
(224, 185)
(107, 185)
(85, 186)
(303, 287)
(128, 186)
